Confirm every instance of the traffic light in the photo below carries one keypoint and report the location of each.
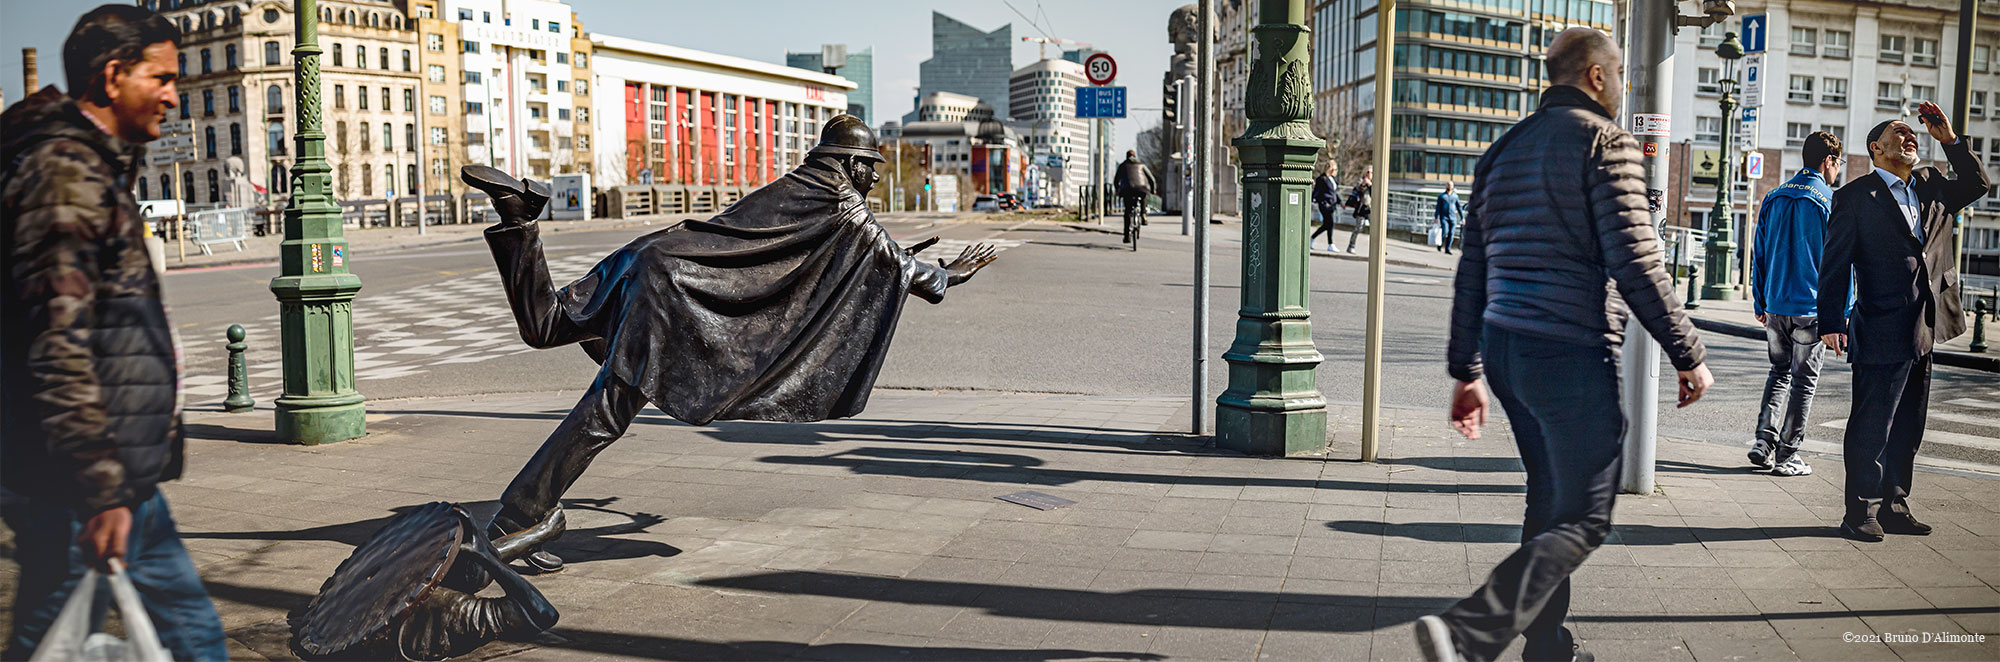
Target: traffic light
(1170, 106)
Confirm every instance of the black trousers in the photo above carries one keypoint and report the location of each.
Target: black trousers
(1884, 430)
(600, 418)
(1326, 213)
(1561, 400)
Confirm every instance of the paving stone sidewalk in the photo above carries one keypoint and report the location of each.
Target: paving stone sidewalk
(881, 538)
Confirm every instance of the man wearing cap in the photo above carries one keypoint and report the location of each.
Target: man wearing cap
(778, 309)
(1891, 232)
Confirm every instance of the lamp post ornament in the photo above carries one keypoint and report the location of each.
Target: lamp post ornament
(1273, 405)
(314, 289)
(1721, 249)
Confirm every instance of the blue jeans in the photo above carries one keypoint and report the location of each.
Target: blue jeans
(1562, 403)
(52, 563)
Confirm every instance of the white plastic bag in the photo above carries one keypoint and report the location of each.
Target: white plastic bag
(70, 636)
(1436, 237)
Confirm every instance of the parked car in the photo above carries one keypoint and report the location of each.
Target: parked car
(986, 203)
(1010, 202)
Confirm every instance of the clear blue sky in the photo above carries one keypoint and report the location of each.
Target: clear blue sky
(1134, 31)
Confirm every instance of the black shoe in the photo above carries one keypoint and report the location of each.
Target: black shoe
(551, 525)
(1564, 649)
(1868, 530)
(1903, 524)
(516, 201)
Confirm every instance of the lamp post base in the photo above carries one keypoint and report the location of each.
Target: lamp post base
(322, 420)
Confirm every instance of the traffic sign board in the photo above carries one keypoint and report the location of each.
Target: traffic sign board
(176, 144)
(1755, 27)
(1753, 167)
(1100, 102)
(1100, 69)
(1753, 80)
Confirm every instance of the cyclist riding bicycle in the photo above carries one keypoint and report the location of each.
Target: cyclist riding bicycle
(1134, 182)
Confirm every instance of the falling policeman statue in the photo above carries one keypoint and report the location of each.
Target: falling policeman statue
(780, 308)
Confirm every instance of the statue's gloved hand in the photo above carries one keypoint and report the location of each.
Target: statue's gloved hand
(969, 262)
(516, 201)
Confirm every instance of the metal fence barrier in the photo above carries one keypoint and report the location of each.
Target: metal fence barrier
(206, 228)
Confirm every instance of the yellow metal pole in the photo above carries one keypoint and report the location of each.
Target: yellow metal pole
(1378, 235)
(180, 217)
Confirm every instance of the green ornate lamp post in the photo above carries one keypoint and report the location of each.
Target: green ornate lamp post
(315, 292)
(1721, 249)
(1273, 405)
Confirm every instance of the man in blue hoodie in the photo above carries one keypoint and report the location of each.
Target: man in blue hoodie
(1784, 281)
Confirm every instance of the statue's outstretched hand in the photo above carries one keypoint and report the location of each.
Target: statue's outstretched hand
(920, 246)
(969, 262)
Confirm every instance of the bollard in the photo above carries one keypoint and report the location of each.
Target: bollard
(239, 373)
(1979, 310)
(1694, 280)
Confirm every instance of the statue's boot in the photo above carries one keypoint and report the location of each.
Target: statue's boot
(517, 539)
(516, 200)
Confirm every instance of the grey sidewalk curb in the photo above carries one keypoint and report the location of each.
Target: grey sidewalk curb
(1965, 360)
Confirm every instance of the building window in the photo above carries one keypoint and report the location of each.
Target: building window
(385, 99)
(562, 57)
(438, 134)
(435, 73)
(1833, 91)
(382, 56)
(187, 185)
(361, 98)
(1982, 56)
(366, 136)
(367, 179)
(208, 103)
(1710, 36)
(563, 115)
(581, 58)
(275, 133)
(336, 50)
(409, 100)
(583, 114)
(464, 14)
(535, 23)
(437, 105)
(486, 17)
(472, 78)
(475, 138)
(235, 138)
(1924, 52)
(1892, 48)
(1708, 129)
(143, 195)
(340, 136)
(1801, 90)
(555, 27)
(406, 60)
(1707, 80)
(339, 96)
(388, 137)
(1889, 95)
(562, 85)
(1805, 41)
(433, 42)
(581, 87)
(409, 137)
(1923, 93)
(1795, 134)
(1976, 105)
(208, 142)
(166, 187)
(274, 100)
(471, 47)
(184, 106)
(235, 99)
(360, 56)
(214, 186)
(229, 57)
(207, 63)
(1837, 131)
(475, 108)
(1838, 43)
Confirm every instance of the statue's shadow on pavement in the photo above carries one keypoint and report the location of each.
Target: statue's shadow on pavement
(594, 543)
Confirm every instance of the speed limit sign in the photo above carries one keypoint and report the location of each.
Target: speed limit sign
(1100, 68)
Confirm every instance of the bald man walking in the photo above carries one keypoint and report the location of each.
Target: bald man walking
(1559, 211)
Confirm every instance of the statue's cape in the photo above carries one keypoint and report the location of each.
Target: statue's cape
(778, 309)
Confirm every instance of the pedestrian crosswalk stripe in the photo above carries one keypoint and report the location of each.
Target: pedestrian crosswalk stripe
(1974, 402)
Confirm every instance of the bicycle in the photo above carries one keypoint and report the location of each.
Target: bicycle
(1132, 222)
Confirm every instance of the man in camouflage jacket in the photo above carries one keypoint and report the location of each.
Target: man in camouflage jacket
(89, 377)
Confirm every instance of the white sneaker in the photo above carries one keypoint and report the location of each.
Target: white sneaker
(1760, 454)
(1434, 640)
(1793, 466)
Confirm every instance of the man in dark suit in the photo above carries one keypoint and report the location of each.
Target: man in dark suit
(1891, 231)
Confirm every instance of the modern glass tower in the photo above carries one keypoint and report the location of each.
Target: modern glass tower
(857, 66)
(969, 61)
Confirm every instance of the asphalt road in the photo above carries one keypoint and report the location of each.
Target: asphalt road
(1063, 310)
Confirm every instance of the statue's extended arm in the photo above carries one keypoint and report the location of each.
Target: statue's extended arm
(524, 611)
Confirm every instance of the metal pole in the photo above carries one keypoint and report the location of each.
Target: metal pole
(180, 216)
(1203, 189)
(422, 154)
(1650, 64)
(1378, 238)
(1181, 133)
(1961, 86)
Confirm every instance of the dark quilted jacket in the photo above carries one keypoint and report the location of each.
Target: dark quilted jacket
(88, 376)
(1558, 241)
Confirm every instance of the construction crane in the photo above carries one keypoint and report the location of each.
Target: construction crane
(1043, 54)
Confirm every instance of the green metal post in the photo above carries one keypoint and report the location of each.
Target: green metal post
(314, 289)
(1979, 311)
(1721, 222)
(1273, 405)
(239, 373)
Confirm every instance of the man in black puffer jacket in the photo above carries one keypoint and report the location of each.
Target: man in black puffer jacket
(89, 377)
(1558, 242)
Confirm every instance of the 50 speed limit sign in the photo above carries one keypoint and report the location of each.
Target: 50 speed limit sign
(1100, 68)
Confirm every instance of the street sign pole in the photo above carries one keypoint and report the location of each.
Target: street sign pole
(1204, 187)
(1650, 62)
